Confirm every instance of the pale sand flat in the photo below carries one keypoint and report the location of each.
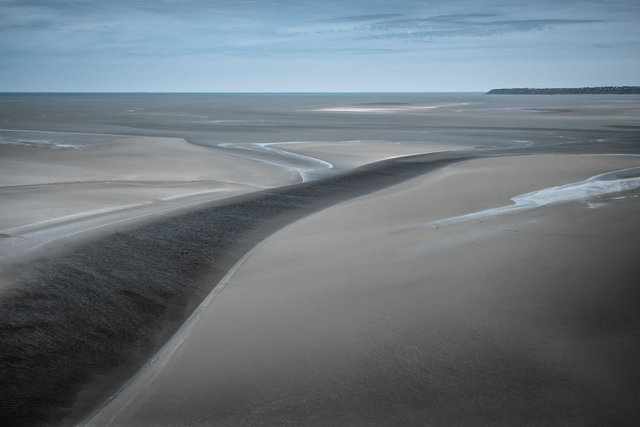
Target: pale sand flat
(42, 185)
(134, 159)
(359, 315)
(36, 207)
(47, 194)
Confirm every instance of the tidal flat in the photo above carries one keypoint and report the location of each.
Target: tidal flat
(315, 259)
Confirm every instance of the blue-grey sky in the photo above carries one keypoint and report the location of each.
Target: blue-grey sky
(316, 45)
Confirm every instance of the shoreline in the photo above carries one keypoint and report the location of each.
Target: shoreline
(596, 90)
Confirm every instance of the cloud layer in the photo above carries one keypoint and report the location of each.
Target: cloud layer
(89, 33)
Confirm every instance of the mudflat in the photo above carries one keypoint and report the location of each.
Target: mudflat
(452, 252)
(366, 313)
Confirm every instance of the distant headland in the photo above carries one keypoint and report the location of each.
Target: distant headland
(602, 90)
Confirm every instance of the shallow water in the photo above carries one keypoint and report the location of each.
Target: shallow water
(262, 118)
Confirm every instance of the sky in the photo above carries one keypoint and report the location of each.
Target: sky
(316, 45)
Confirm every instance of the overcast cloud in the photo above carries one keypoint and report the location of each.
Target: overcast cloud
(276, 45)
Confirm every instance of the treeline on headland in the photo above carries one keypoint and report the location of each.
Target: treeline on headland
(602, 90)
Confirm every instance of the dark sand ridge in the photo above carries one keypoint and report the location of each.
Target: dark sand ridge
(90, 309)
(88, 318)
(50, 188)
(42, 184)
(364, 314)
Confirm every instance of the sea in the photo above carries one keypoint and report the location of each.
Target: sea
(77, 120)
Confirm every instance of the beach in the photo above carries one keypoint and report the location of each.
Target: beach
(346, 259)
(364, 314)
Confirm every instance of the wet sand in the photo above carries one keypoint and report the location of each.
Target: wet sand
(50, 192)
(120, 214)
(44, 186)
(363, 314)
(81, 315)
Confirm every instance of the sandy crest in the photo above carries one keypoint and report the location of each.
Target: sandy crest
(48, 193)
(43, 184)
(359, 315)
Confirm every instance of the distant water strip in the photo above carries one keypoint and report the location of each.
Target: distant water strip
(388, 107)
(606, 183)
(54, 139)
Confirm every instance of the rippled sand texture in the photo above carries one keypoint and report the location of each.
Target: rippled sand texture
(51, 190)
(365, 314)
(413, 289)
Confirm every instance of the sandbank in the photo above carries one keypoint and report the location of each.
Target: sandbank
(361, 315)
(120, 295)
(51, 190)
(42, 183)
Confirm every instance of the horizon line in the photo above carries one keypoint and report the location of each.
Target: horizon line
(228, 92)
